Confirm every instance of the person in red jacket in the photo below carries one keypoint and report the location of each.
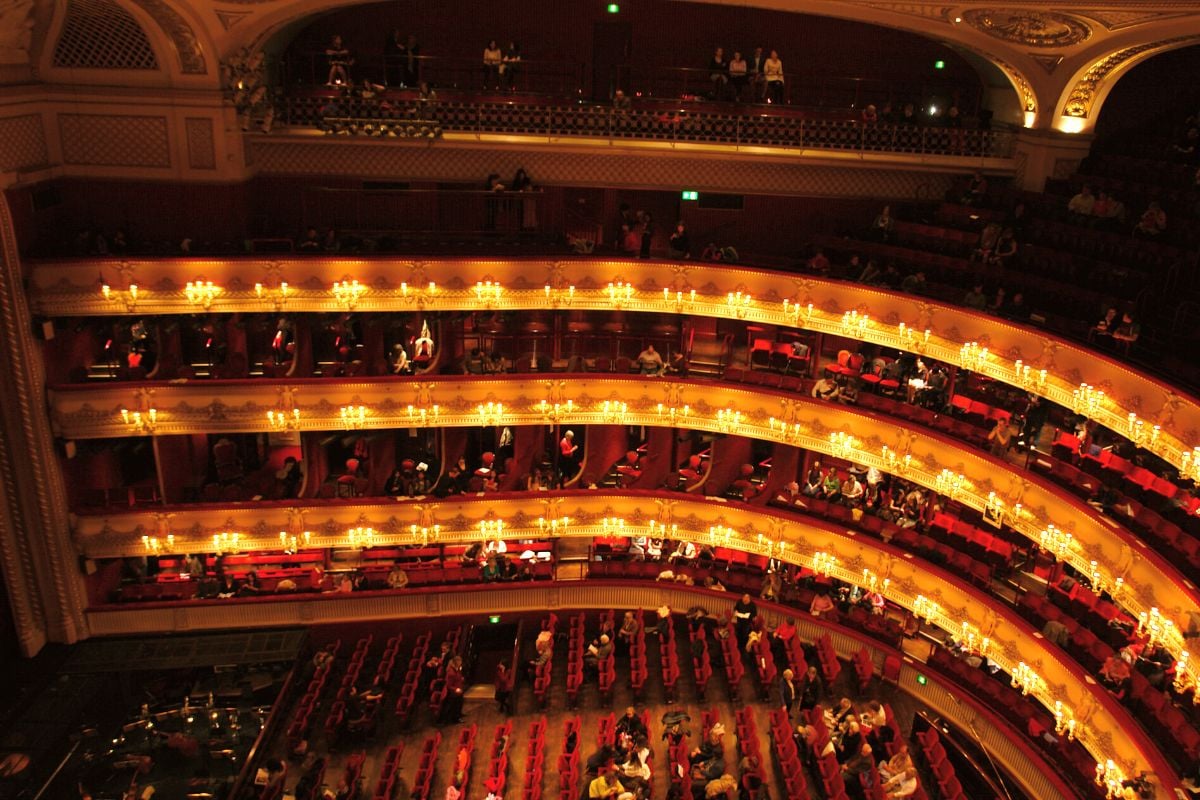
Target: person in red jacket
(504, 686)
(455, 685)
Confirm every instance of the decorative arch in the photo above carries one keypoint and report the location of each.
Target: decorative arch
(1087, 89)
(100, 34)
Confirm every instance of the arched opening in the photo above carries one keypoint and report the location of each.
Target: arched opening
(1150, 97)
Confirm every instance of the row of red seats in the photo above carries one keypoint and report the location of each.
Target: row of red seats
(669, 661)
(864, 669)
(301, 723)
(828, 768)
(787, 755)
(976, 542)
(934, 755)
(747, 740)
(827, 656)
(412, 678)
(764, 663)
(731, 657)
(701, 661)
(568, 761)
(385, 787)
(534, 760)
(337, 714)
(387, 662)
(437, 686)
(575, 648)
(497, 772)
(423, 777)
(608, 667)
(464, 753)
(544, 673)
(638, 671)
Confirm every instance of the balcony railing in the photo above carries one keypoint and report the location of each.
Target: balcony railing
(668, 124)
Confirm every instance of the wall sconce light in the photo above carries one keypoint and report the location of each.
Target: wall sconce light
(277, 296)
(347, 292)
(284, 420)
(424, 416)
(1185, 678)
(612, 526)
(720, 534)
(656, 529)
(842, 444)
(227, 542)
(950, 484)
(1057, 543)
(972, 356)
(556, 411)
(139, 422)
(619, 293)
(728, 420)
(425, 533)
(555, 527)
(154, 546)
(491, 528)
(1026, 377)
(1110, 778)
(682, 302)
(673, 414)
(774, 549)
(789, 432)
(490, 414)
(560, 297)
(353, 417)
(129, 297)
(893, 463)
(994, 507)
(360, 537)
(1155, 627)
(289, 544)
(614, 411)
(201, 293)
(423, 298)
(925, 608)
(796, 311)
(488, 293)
(1025, 679)
(1086, 400)
(1190, 464)
(739, 303)
(872, 583)
(824, 563)
(1064, 721)
(855, 323)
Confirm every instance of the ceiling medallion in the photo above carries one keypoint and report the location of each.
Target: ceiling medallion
(1030, 28)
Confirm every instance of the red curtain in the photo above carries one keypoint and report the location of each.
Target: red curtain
(374, 359)
(785, 465)
(454, 446)
(315, 464)
(606, 444)
(656, 463)
(381, 451)
(182, 462)
(303, 355)
(728, 456)
(529, 443)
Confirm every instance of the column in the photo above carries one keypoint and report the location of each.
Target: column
(1045, 154)
(37, 556)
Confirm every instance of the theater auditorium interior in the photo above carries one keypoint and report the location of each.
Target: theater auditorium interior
(557, 399)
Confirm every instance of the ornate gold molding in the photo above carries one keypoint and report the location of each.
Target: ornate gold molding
(1028, 27)
(1020, 356)
(1087, 88)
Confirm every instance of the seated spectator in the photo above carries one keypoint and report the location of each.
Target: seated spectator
(881, 228)
(738, 75)
(311, 243)
(812, 482)
(1081, 205)
(976, 194)
(1102, 331)
(397, 578)
(825, 389)
(902, 785)
(339, 62)
(852, 491)
(831, 487)
(1006, 248)
(1152, 222)
(822, 605)
(914, 284)
(975, 299)
(987, 243)
(598, 652)
(650, 362)
(396, 486)
(621, 101)
(848, 391)
(871, 274)
(869, 116)
(1000, 438)
(718, 74)
(819, 264)
(1126, 332)
(679, 247)
(897, 764)
(1015, 309)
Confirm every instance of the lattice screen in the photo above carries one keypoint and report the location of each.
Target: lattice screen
(99, 34)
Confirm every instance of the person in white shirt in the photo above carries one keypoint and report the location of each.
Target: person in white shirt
(852, 491)
(1082, 203)
(773, 74)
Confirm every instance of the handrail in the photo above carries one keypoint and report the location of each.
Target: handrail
(736, 126)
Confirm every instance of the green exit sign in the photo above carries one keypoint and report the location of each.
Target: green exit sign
(613, 8)
(494, 619)
(690, 195)
(939, 64)
(921, 679)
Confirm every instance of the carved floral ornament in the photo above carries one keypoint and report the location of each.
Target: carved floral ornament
(954, 608)
(1029, 28)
